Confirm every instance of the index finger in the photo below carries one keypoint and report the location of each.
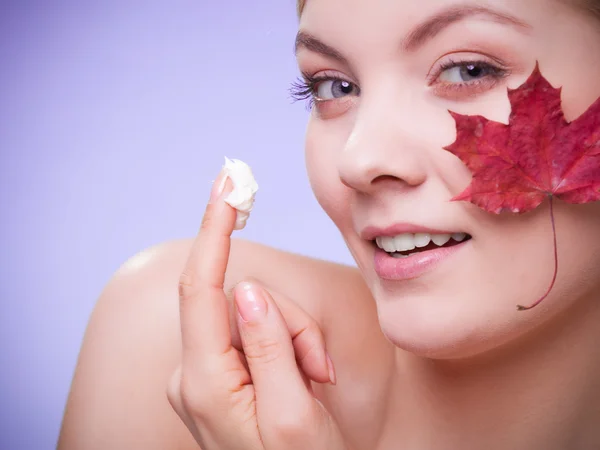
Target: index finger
(202, 303)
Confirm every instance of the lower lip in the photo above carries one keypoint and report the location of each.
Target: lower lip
(413, 266)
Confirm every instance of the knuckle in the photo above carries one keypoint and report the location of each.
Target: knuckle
(314, 329)
(263, 350)
(241, 404)
(174, 392)
(289, 426)
(303, 354)
(207, 220)
(189, 284)
(202, 388)
(187, 280)
(309, 341)
(196, 397)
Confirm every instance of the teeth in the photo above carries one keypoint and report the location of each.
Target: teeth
(409, 241)
(404, 242)
(422, 239)
(440, 239)
(386, 243)
(459, 237)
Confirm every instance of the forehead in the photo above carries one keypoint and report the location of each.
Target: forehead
(369, 16)
(369, 29)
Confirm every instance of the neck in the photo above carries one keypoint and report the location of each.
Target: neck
(542, 392)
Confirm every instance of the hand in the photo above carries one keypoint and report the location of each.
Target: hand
(258, 399)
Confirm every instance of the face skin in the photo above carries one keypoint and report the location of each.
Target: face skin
(375, 158)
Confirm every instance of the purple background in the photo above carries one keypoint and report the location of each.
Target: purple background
(114, 118)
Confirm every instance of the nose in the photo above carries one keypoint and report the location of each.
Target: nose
(386, 143)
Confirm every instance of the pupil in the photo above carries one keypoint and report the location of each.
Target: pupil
(472, 70)
(346, 87)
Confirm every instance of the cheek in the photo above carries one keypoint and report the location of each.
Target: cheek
(460, 314)
(516, 256)
(323, 148)
(578, 234)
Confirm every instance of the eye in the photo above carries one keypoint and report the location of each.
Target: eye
(322, 88)
(456, 80)
(465, 72)
(329, 89)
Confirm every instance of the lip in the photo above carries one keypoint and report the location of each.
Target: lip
(398, 269)
(372, 232)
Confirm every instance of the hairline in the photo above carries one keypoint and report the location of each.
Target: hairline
(592, 6)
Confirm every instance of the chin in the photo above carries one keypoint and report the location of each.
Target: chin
(446, 328)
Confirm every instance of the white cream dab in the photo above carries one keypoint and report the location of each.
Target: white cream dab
(244, 189)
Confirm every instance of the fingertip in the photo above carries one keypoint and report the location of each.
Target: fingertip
(331, 369)
(251, 302)
(221, 187)
(218, 187)
(219, 218)
(319, 368)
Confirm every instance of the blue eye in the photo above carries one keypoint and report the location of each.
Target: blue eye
(467, 71)
(329, 89)
(322, 88)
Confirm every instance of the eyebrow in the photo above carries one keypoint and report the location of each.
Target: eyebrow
(422, 33)
(309, 42)
(433, 26)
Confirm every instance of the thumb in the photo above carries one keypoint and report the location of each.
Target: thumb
(281, 394)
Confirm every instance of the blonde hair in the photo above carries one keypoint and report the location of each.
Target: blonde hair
(300, 6)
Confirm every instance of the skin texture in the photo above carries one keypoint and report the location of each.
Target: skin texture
(118, 398)
(442, 361)
(381, 153)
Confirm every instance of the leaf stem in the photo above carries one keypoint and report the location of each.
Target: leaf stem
(524, 308)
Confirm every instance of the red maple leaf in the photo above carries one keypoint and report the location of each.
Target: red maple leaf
(538, 155)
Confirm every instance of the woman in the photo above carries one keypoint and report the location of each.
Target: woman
(431, 355)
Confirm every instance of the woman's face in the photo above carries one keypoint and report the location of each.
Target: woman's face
(387, 73)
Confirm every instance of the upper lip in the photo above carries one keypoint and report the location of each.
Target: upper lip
(371, 232)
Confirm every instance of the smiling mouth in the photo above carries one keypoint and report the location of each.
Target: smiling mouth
(408, 244)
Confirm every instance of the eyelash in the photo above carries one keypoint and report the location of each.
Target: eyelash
(305, 87)
(495, 72)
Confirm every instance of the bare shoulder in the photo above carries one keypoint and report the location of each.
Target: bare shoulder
(132, 342)
(310, 282)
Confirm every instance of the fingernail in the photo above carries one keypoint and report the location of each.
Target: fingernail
(251, 302)
(218, 187)
(332, 376)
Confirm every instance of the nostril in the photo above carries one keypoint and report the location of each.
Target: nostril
(386, 179)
